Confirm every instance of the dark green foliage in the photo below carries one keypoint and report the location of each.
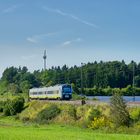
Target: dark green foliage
(94, 113)
(118, 112)
(2, 104)
(75, 89)
(17, 80)
(47, 114)
(13, 88)
(76, 96)
(9, 74)
(98, 78)
(135, 114)
(13, 106)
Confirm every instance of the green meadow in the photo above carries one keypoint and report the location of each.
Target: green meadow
(11, 129)
(56, 132)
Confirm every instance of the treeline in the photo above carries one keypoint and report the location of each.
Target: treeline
(128, 91)
(96, 77)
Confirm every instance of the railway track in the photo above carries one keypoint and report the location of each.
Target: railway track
(88, 102)
(74, 102)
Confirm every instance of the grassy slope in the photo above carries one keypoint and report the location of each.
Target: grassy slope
(10, 130)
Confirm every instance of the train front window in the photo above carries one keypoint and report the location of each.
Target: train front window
(66, 89)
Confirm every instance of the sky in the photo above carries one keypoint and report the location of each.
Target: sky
(72, 32)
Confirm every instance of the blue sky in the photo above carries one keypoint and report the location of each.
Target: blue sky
(72, 31)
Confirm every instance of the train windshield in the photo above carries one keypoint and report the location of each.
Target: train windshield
(67, 89)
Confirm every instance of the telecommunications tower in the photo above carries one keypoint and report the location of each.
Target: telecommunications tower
(44, 57)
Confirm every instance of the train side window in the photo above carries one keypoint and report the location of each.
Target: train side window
(34, 93)
(56, 92)
(40, 93)
(50, 92)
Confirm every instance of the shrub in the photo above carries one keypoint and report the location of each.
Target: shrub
(85, 114)
(31, 111)
(67, 115)
(135, 114)
(47, 114)
(81, 111)
(76, 96)
(92, 113)
(118, 112)
(13, 106)
(72, 112)
(99, 122)
(2, 104)
(136, 126)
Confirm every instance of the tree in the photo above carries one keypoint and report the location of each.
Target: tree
(9, 74)
(24, 70)
(25, 86)
(118, 112)
(13, 88)
(137, 81)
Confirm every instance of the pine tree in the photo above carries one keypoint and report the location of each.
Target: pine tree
(118, 112)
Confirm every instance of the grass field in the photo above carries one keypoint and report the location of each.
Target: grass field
(54, 132)
(10, 130)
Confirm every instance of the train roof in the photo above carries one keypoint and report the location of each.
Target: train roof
(56, 87)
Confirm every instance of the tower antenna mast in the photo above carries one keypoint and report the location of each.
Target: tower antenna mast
(45, 57)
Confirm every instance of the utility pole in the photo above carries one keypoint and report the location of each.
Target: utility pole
(81, 80)
(44, 57)
(133, 81)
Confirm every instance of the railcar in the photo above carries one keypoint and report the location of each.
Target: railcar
(54, 92)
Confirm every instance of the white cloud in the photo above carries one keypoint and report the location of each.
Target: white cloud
(79, 39)
(66, 43)
(10, 9)
(31, 39)
(37, 38)
(28, 57)
(71, 16)
(69, 42)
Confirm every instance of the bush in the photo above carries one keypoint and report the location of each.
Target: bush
(67, 115)
(2, 104)
(99, 122)
(31, 111)
(118, 112)
(92, 113)
(81, 111)
(76, 96)
(135, 114)
(13, 106)
(47, 114)
(85, 114)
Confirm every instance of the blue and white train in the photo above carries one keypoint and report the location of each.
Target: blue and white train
(54, 92)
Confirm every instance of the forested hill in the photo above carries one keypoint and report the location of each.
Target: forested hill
(113, 74)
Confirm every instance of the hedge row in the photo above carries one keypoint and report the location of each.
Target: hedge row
(128, 91)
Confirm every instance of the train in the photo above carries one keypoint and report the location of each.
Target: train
(61, 92)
